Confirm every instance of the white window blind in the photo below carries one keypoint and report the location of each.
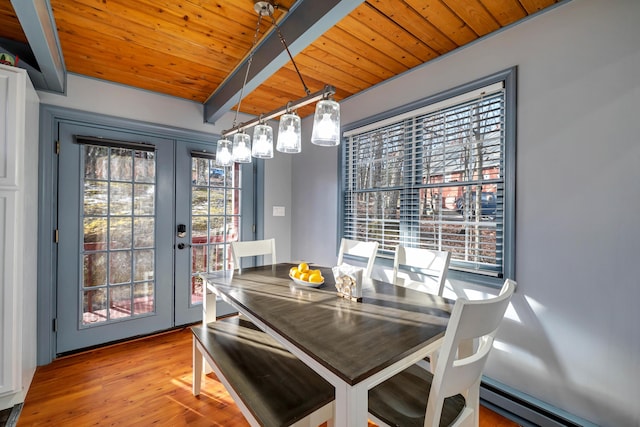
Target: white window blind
(434, 178)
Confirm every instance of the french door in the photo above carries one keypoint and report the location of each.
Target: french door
(138, 218)
(214, 207)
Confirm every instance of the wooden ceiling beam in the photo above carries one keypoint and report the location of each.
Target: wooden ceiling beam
(305, 22)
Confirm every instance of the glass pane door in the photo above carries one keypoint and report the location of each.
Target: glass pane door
(139, 219)
(113, 235)
(216, 204)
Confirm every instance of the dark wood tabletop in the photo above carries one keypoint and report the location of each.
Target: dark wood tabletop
(352, 339)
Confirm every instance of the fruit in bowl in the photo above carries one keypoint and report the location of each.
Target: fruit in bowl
(302, 273)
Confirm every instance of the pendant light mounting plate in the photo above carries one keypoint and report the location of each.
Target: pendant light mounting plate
(263, 8)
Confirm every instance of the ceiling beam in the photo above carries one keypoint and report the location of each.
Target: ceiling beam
(304, 23)
(36, 19)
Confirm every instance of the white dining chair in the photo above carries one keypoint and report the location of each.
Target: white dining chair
(421, 269)
(356, 248)
(424, 270)
(239, 250)
(451, 395)
(251, 248)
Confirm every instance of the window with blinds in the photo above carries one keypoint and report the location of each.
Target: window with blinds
(433, 177)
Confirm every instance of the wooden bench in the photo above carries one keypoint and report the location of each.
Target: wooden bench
(270, 385)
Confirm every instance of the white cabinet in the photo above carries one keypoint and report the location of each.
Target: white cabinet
(19, 111)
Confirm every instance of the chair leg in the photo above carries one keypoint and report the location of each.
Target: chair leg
(473, 402)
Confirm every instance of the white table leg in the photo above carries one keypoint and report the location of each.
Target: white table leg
(197, 361)
(351, 406)
(208, 306)
(208, 314)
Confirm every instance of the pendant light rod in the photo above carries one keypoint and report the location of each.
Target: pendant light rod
(284, 43)
(250, 60)
(327, 91)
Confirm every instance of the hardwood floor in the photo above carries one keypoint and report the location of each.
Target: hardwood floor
(143, 383)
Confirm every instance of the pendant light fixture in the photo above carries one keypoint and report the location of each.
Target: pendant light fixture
(223, 153)
(262, 142)
(241, 152)
(289, 133)
(326, 123)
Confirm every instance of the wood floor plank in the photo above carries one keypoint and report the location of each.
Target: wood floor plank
(146, 382)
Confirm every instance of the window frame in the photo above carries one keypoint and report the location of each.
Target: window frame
(508, 79)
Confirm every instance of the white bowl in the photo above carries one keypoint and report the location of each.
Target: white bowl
(307, 284)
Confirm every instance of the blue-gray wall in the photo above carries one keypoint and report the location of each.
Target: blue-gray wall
(571, 338)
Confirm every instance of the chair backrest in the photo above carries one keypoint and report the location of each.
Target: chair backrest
(252, 248)
(456, 373)
(359, 249)
(419, 268)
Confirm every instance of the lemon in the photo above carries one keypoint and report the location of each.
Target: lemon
(303, 267)
(316, 278)
(304, 276)
(293, 271)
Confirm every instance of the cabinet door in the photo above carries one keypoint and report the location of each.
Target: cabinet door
(10, 338)
(8, 127)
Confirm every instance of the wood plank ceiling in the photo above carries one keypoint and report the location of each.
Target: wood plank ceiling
(187, 48)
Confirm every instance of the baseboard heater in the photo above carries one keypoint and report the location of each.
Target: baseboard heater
(523, 409)
(12, 420)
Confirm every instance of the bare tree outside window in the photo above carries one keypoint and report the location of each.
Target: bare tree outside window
(433, 180)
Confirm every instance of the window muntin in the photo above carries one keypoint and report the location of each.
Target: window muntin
(434, 177)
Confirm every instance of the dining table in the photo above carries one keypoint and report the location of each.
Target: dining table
(354, 345)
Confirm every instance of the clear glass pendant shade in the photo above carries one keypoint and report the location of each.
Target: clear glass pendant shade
(262, 142)
(241, 148)
(223, 153)
(289, 139)
(326, 123)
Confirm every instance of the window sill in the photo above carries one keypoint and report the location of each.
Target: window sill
(475, 278)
